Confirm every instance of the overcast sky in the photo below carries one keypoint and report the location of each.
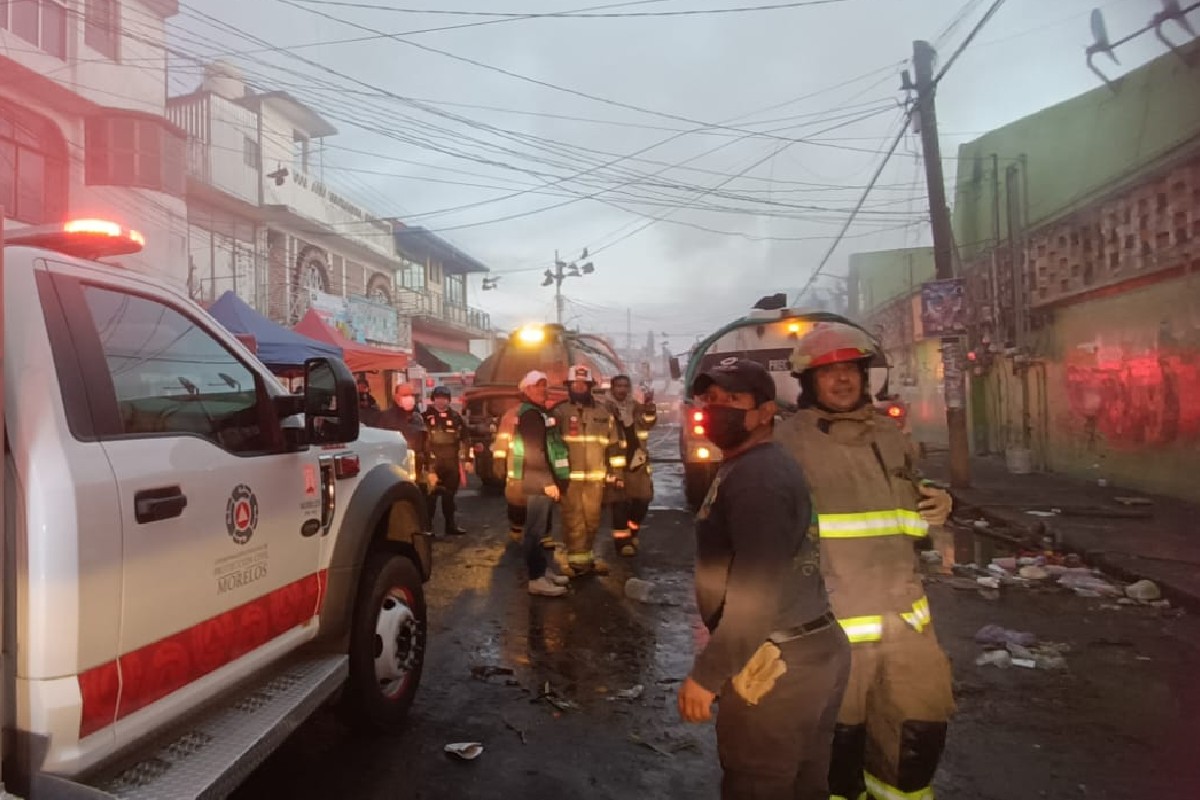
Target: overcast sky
(685, 247)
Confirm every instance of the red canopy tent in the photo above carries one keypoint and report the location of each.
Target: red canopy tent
(358, 357)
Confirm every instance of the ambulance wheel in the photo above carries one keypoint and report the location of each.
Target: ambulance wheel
(696, 480)
(387, 643)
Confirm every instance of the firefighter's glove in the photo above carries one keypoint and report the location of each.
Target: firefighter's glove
(639, 460)
(760, 673)
(935, 505)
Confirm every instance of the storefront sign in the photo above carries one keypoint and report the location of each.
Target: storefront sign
(372, 321)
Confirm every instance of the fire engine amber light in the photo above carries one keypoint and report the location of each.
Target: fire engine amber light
(703, 453)
(698, 430)
(531, 335)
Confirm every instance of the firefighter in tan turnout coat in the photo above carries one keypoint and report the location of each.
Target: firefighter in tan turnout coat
(871, 511)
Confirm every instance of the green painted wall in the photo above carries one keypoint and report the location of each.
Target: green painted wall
(886, 275)
(1081, 148)
(1117, 394)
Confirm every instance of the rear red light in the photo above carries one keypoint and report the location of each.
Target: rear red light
(346, 466)
(697, 416)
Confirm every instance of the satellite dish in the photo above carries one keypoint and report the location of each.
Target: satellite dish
(1102, 43)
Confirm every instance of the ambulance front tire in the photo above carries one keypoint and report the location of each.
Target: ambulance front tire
(387, 644)
(696, 480)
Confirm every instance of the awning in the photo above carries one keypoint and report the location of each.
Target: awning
(276, 346)
(358, 357)
(443, 359)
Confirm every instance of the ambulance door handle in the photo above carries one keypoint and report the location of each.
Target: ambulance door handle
(152, 505)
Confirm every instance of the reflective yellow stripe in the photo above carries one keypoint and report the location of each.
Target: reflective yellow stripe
(581, 558)
(920, 616)
(862, 796)
(617, 461)
(594, 475)
(601, 438)
(896, 522)
(499, 454)
(863, 629)
(883, 791)
(643, 435)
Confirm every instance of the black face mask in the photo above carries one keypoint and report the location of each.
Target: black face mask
(726, 426)
(582, 398)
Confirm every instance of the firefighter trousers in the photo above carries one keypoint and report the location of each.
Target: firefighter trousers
(632, 503)
(581, 506)
(892, 726)
(779, 749)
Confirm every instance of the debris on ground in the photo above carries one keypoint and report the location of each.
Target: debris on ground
(931, 556)
(1134, 501)
(1033, 572)
(484, 671)
(1045, 655)
(520, 732)
(640, 590)
(1051, 513)
(1143, 591)
(632, 693)
(467, 751)
(669, 750)
(1089, 585)
(995, 658)
(548, 694)
(988, 581)
(994, 634)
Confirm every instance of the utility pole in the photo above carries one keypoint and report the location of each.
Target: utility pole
(562, 270)
(943, 259)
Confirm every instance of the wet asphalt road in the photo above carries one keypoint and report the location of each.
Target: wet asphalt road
(1122, 722)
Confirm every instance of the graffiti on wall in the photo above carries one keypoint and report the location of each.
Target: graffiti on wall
(1133, 399)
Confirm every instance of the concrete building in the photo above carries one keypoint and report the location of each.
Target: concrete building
(1078, 229)
(432, 292)
(885, 295)
(82, 131)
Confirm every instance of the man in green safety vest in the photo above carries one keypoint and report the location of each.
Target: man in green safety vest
(538, 471)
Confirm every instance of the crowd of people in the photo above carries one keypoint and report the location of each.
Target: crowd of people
(821, 656)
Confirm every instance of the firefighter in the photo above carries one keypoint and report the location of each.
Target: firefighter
(872, 510)
(501, 448)
(368, 408)
(447, 443)
(634, 418)
(538, 469)
(596, 459)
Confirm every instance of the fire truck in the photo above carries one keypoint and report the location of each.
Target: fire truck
(766, 336)
(549, 348)
(194, 558)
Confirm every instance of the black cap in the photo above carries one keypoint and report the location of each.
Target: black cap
(441, 391)
(739, 375)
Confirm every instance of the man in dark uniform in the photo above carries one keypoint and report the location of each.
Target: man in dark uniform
(368, 409)
(775, 653)
(404, 418)
(447, 441)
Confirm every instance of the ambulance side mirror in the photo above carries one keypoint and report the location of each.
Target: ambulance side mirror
(331, 412)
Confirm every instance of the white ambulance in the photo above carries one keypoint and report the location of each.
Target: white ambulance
(194, 559)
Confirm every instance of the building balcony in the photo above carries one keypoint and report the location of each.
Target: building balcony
(433, 310)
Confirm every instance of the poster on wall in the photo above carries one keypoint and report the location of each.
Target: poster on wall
(373, 322)
(943, 308)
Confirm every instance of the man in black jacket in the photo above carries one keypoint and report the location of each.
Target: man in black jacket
(447, 440)
(775, 653)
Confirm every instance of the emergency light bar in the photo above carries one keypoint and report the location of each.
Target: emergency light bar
(81, 238)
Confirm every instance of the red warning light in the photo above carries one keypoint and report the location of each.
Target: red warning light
(895, 412)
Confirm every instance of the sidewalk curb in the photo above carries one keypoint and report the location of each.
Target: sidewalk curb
(1118, 565)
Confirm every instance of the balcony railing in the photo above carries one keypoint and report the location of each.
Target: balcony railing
(434, 306)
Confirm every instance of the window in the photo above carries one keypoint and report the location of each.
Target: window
(412, 275)
(456, 290)
(171, 376)
(42, 23)
(102, 28)
(33, 167)
(250, 152)
(300, 151)
(127, 150)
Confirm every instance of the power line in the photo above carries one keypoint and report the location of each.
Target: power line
(850, 220)
(967, 41)
(567, 14)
